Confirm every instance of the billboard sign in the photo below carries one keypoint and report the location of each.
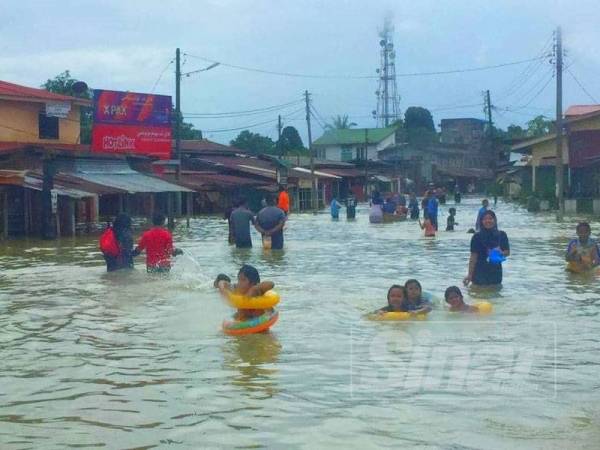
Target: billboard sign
(130, 122)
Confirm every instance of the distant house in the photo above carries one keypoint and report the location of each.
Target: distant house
(354, 144)
(580, 155)
(467, 131)
(37, 116)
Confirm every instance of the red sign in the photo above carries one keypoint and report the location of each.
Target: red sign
(127, 139)
(132, 123)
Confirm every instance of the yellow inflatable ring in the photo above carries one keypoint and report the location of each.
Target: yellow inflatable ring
(268, 300)
(396, 316)
(483, 307)
(577, 267)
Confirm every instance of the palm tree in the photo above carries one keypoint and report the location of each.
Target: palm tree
(340, 123)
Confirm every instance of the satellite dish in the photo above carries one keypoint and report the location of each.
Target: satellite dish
(79, 87)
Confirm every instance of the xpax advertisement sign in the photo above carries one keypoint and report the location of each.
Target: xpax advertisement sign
(130, 122)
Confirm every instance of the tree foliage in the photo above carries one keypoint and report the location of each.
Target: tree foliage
(419, 127)
(540, 126)
(63, 84)
(340, 123)
(253, 143)
(290, 140)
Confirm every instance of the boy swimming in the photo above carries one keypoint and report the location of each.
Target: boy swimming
(248, 284)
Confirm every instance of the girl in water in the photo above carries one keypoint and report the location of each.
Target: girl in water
(484, 270)
(395, 297)
(415, 303)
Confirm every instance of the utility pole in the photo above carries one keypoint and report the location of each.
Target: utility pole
(314, 202)
(279, 147)
(559, 130)
(488, 108)
(178, 112)
(366, 162)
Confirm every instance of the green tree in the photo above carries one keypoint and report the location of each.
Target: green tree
(419, 127)
(340, 123)
(253, 143)
(515, 132)
(63, 84)
(188, 132)
(540, 126)
(290, 140)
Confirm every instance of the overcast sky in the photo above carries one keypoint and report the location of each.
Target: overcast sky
(127, 45)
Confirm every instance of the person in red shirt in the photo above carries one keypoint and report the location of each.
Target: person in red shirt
(158, 243)
(283, 201)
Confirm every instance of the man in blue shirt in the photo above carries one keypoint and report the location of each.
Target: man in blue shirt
(482, 210)
(432, 210)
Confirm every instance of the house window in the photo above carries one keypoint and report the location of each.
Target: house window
(48, 127)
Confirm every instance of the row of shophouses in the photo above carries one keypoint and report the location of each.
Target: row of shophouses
(51, 185)
(534, 161)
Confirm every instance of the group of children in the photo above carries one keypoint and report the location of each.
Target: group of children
(430, 228)
(409, 298)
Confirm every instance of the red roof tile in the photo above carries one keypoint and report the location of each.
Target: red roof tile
(578, 110)
(206, 146)
(23, 92)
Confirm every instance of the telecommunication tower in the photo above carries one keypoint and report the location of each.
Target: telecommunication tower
(388, 109)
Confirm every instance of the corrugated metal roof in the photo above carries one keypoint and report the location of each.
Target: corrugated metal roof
(32, 180)
(317, 173)
(119, 175)
(354, 136)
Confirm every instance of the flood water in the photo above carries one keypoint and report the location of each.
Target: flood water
(130, 360)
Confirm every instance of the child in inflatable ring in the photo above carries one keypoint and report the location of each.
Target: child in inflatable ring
(248, 284)
(454, 298)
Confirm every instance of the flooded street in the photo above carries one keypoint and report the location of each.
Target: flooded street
(129, 360)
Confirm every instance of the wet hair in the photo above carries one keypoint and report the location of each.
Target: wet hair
(452, 211)
(158, 219)
(485, 201)
(453, 290)
(221, 277)
(413, 281)
(396, 286)
(583, 225)
(251, 273)
(122, 222)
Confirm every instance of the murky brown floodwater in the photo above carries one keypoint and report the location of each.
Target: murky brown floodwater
(128, 360)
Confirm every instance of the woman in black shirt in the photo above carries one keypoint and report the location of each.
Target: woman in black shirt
(482, 271)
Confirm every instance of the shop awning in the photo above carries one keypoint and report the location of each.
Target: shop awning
(118, 175)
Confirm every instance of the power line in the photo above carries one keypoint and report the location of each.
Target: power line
(528, 73)
(472, 105)
(245, 127)
(358, 77)
(248, 112)
(581, 86)
(160, 76)
(536, 95)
